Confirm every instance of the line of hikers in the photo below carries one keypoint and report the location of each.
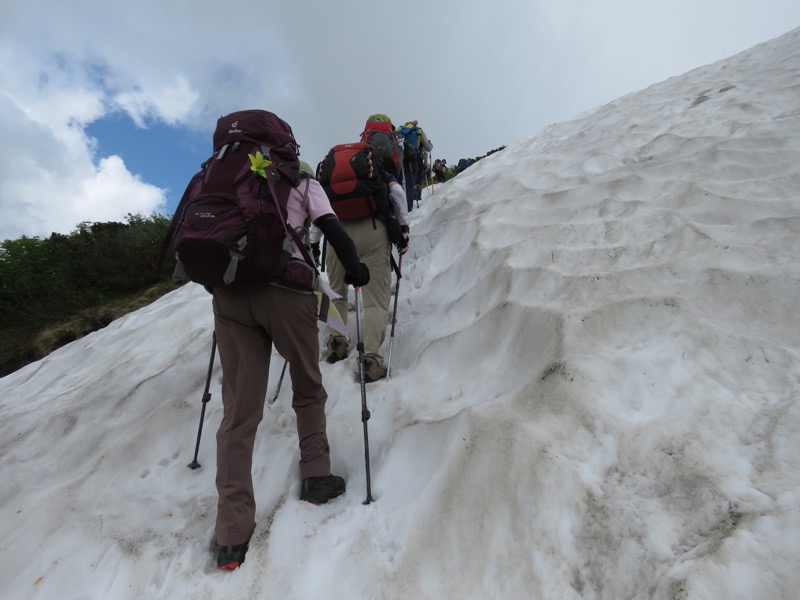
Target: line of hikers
(400, 153)
(248, 229)
(416, 164)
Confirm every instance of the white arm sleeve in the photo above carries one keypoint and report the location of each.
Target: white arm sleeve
(398, 197)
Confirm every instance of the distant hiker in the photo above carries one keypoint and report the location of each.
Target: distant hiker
(424, 170)
(253, 314)
(415, 141)
(464, 163)
(439, 165)
(425, 147)
(423, 163)
(388, 143)
(375, 219)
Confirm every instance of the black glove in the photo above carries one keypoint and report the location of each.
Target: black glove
(359, 279)
(315, 252)
(402, 247)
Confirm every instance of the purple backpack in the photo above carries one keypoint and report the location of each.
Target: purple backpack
(230, 226)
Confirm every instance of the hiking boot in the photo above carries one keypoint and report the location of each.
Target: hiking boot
(373, 370)
(318, 490)
(337, 349)
(229, 557)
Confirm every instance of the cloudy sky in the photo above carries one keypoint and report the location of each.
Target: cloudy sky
(106, 108)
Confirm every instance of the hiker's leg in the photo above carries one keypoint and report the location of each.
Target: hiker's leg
(244, 351)
(373, 246)
(291, 320)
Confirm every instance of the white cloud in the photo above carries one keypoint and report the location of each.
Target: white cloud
(112, 192)
(171, 102)
(45, 201)
(50, 182)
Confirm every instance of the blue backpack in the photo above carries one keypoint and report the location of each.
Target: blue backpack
(411, 141)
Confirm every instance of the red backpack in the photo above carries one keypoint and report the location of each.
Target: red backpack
(230, 226)
(352, 178)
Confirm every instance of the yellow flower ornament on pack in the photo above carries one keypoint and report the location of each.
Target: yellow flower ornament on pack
(259, 164)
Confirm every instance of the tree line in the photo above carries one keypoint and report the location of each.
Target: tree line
(87, 277)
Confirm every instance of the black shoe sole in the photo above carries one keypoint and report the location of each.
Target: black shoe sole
(320, 497)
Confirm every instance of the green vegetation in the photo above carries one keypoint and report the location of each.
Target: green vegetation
(58, 289)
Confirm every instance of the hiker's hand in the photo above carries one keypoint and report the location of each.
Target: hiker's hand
(402, 247)
(359, 279)
(315, 252)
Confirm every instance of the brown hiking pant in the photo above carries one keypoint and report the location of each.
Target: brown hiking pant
(247, 322)
(374, 250)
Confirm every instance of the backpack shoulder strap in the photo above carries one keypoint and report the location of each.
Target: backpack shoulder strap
(272, 178)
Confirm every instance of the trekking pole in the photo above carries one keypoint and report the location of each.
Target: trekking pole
(396, 268)
(364, 411)
(280, 381)
(206, 397)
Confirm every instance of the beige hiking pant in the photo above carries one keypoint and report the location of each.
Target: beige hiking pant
(374, 248)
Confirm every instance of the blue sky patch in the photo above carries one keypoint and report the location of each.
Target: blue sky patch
(161, 155)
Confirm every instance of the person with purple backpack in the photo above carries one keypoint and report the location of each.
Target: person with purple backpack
(263, 289)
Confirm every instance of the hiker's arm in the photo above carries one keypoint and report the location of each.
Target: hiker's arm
(397, 196)
(342, 244)
(319, 209)
(426, 143)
